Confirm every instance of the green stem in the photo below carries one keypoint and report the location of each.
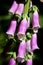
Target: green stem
(26, 8)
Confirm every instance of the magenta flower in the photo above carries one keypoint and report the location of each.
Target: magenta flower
(12, 28)
(22, 29)
(21, 51)
(28, 21)
(34, 42)
(13, 7)
(35, 22)
(28, 47)
(29, 62)
(12, 62)
(20, 9)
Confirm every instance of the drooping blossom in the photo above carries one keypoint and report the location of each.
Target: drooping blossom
(12, 28)
(35, 22)
(34, 42)
(21, 51)
(20, 9)
(22, 29)
(28, 47)
(14, 7)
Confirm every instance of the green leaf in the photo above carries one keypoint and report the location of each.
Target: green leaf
(11, 53)
(14, 55)
(3, 39)
(41, 21)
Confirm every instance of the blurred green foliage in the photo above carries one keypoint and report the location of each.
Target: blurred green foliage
(41, 21)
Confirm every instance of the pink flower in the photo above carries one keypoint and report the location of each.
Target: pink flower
(13, 7)
(35, 22)
(12, 28)
(22, 29)
(21, 51)
(12, 62)
(29, 62)
(34, 42)
(28, 47)
(20, 9)
(28, 21)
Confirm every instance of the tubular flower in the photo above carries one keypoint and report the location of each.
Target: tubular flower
(34, 42)
(35, 22)
(12, 28)
(13, 7)
(21, 51)
(28, 47)
(20, 9)
(22, 29)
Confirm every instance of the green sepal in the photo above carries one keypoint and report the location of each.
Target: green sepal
(28, 56)
(35, 8)
(29, 35)
(14, 55)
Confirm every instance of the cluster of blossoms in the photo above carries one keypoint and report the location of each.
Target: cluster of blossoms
(30, 45)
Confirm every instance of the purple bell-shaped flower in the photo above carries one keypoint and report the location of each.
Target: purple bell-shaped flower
(13, 7)
(12, 28)
(12, 62)
(34, 42)
(21, 51)
(28, 47)
(22, 29)
(35, 22)
(20, 9)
